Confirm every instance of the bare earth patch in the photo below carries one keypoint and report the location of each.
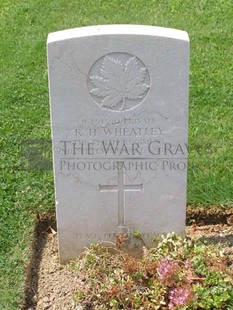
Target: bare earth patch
(52, 286)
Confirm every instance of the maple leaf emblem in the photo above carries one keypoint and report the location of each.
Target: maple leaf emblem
(119, 81)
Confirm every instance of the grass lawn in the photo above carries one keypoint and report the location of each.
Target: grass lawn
(25, 106)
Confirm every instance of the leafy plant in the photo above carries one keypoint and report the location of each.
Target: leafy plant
(178, 274)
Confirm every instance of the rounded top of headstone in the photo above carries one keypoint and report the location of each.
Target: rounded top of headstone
(117, 29)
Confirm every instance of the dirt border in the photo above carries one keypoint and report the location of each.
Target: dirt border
(43, 223)
(210, 215)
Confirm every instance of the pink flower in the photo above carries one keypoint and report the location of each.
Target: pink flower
(179, 297)
(167, 271)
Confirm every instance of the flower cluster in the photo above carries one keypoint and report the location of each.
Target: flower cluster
(168, 271)
(179, 297)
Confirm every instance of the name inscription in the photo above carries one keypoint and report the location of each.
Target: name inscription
(143, 144)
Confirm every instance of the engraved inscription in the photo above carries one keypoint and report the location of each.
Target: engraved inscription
(120, 83)
(121, 188)
(108, 235)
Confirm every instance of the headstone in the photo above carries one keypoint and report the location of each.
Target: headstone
(119, 109)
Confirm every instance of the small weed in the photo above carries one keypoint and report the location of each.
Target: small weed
(121, 239)
(137, 235)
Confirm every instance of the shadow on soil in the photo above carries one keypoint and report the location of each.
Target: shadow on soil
(43, 224)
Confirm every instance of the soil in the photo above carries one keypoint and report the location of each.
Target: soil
(52, 286)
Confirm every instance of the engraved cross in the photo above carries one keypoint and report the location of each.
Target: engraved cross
(121, 188)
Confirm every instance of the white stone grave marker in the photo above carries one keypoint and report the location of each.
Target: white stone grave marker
(119, 110)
